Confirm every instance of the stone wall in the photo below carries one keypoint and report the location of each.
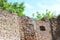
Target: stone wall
(55, 26)
(53, 22)
(13, 27)
(58, 28)
(43, 30)
(9, 29)
(32, 31)
(27, 29)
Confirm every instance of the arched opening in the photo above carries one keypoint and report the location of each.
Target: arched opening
(42, 28)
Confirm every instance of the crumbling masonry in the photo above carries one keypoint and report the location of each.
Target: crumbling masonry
(13, 27)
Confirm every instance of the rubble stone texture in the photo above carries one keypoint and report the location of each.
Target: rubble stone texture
(28, 29)
(13, 27)
(9, 29)
(32, 30)
(43, 30)
(58, 28)
(54, 27)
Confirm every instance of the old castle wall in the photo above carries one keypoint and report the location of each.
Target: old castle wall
(9, 29)
(13, 27)
(43, 30)
(35, 30)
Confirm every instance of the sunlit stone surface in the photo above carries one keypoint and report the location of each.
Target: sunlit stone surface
(9, 29)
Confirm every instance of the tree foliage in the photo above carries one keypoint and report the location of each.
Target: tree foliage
(12, 7)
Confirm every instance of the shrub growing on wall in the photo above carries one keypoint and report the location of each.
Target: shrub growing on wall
(12, 7)
(39, 15)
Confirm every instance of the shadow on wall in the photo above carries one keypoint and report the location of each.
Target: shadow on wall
(58, 28)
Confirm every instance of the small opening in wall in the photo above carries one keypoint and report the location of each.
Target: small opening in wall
(42, 28)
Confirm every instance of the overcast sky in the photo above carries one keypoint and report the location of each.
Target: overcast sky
(39, 5)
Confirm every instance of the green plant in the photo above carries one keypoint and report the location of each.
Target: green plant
(12, 7)
(48, 15)
(39, 16)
